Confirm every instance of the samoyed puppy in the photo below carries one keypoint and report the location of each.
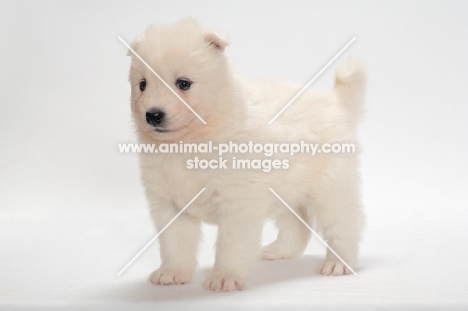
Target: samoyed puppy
(323, 189)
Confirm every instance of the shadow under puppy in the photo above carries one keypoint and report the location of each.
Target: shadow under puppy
(323, 189)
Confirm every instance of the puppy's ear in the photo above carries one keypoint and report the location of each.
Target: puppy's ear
(216, 41)
(129, 53)
(134, 45)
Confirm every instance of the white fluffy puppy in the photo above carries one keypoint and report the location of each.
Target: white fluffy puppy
(323, 189)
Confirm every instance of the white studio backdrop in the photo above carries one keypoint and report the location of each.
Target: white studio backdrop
(65, 95)
(65, 98)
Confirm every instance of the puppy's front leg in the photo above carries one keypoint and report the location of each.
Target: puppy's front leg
(239, 234)
(178, 246)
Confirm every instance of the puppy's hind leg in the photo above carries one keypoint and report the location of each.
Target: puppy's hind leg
(291, 240)
(340, 218)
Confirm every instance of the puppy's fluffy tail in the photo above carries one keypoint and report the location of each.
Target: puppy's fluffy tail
(350, 85)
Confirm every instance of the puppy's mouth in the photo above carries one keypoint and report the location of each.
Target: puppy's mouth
(162, 130)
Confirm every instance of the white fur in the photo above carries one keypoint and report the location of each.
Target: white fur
(323, 189)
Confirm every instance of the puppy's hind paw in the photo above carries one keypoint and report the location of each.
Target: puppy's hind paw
(335, 268)
(275, 251)
(164, 276)
(223, 283)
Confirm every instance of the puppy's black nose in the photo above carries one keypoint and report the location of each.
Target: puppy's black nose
(155, 117)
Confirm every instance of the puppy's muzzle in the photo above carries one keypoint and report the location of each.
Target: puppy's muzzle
(155, 117)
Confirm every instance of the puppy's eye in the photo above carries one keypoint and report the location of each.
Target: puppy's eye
(183, 84)
(142, 85)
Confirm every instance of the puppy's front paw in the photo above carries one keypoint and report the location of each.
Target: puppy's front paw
(164, 276)
(218, 282)
(332, 267)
